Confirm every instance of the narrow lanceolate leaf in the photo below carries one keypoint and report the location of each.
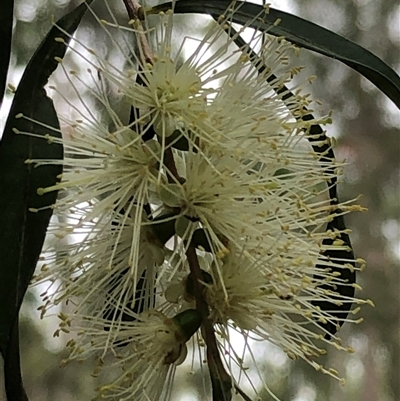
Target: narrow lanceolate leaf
(23, 231)
(302, 33)
(6, 22)
(12, 368)
(346, 273)
(24, 215)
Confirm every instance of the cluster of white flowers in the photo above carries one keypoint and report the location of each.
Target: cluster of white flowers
(211, 177)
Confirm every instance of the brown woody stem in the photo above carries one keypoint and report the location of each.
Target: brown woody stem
(136, 15)
(132, 8)
(220, 379)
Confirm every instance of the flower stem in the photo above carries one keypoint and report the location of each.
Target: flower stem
(221, 381)
(136, 14)
(132, 8)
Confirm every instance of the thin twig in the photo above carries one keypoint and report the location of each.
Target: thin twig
(221, 381)
(242, 393)
(132, 7)
(136, 15)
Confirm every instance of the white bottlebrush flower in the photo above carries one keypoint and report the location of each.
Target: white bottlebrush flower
(97, 268)
(145, 356)
(211, 178)
(240, 201)
(273, 301)
(112, 167)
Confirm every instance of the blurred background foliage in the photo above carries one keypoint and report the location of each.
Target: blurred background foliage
(367, 128)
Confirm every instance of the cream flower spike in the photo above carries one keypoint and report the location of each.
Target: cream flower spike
(146, 352)
(263, 301)
(100, 268)
(206, 194)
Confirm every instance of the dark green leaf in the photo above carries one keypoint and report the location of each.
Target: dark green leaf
(23, 231)
(12, 377)
(302, 33)
(164, 230)
(346, 274)
(178, 141)
(199, 238)
(6, 23)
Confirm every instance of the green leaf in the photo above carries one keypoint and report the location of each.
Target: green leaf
(164, 225)
(347, 275)
(302, 33)
(23, 231)
(6, 22)
(200, 239)
(12, 377)
(178, 141)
